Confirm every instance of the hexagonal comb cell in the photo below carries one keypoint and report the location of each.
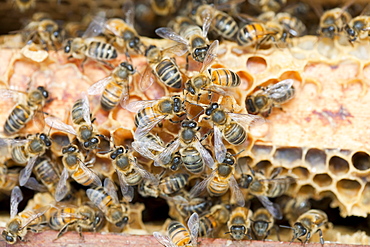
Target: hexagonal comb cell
(361, 161)
(365, 197)
(306, 191)
(348, 189)
(322, 180)
(301, 172)
(256, 64)
(261, 150)
(316, 158)
(288, 155)
(338, 166)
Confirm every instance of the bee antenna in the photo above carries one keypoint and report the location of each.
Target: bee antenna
(238, 153)
(289, 227)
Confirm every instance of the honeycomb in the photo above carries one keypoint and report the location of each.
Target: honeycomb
(319, 137)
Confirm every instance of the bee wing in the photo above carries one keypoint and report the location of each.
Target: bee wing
(10, 142)
(25, 173)
(193, 225)
(62, 189)
(135, 106)
(37, 213)
(85, 108)
(33, 184)
(207, 158)
(127, 191)
(207, 17)
(142, 147)
(96, 180)
(147, 175)
(279, 89)
(110, 188)
(164, 240)
(9, 93)
(178, 50)
(143, 130)
(197, 189)
(247, 119)
(124, 96)
(96, 197)
(147, 79)
(15, 198)
(220, 149)
(56, 123)
(129, 9)
(99, 86)
(180, 200)
(210, 56)
(165, 156)
(168, 33)
(236, 192)
(273, 208)
(96, 26)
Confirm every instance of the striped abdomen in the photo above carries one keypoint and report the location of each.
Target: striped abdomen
(173, 183)
(207, 224)
(111, 95)
(18, 118)
(218, 186)
(192, 160)
(78, 112)
(251, 34)
(100, 198)
(196, 205)
(224, 25)
(60, 218)
(179, 235)
(145, 116)
(234, 133)
(168, 73)
(133, 177)
(19, 155)
(102, 51)
(46, 172)
(225, 78)
(82, 177)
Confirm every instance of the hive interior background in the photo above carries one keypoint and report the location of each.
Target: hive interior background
(320, 136)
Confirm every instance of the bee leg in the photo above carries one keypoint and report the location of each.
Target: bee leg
(321, 238)
(79, 230)
(277, 232)
(249, 234)
(187, 62)
(64, 229)
(106, 64)
(82, 64)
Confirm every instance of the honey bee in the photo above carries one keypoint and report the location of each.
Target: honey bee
(106, 199)
(229, 126)
(45, 31)
(25, 5)
(86, 217)
(263, 101)
(129, 172)
(239, 223)
(194, 205)
(164, 7)
(151, 112)
(193, 155)
(212, 79)
(213, 221)
(20, 223)
(84, 131)
(83, 48)
(359, 26)
(268, 5)
(263, 188)
(309, 223)
(27, 151)
(73, 162)
(163, 67)
(223, 24)
(178, 235)
(114, 88)
(221, 180)
(22, 113)
(194, 37)
(262, 222)
(333, 21)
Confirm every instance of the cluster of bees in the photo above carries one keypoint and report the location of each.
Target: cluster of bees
(200, 175)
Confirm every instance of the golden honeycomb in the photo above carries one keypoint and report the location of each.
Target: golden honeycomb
(319, 137)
